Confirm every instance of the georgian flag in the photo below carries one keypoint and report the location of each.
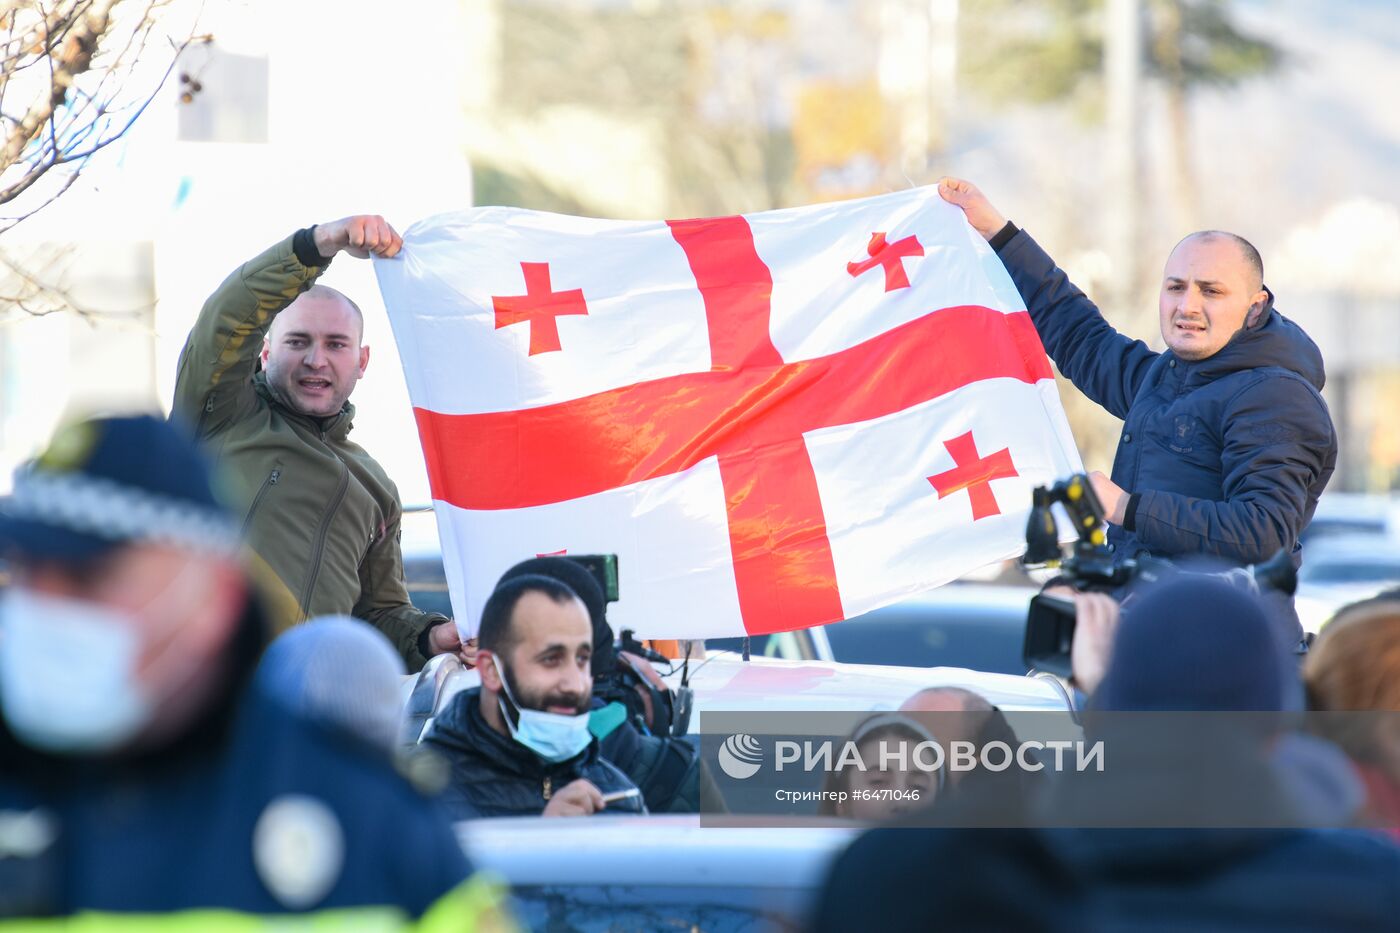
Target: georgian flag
(775, 420)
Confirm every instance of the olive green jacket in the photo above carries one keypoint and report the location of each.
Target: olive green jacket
(322, 515)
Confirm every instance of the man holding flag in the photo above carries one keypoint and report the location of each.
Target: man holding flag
(1227, 443)
(265, 381)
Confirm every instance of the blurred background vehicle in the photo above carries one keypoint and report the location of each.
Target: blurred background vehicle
(422, 560)
(1339, 569)
(1351, 513)
(973, 625)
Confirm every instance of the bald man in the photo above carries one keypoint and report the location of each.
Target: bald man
(265, 379)
(1226, 442)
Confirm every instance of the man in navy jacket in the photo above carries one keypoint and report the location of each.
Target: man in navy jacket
(1227, 442)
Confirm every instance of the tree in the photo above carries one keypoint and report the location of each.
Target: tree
(1046, 51)
(75, 76)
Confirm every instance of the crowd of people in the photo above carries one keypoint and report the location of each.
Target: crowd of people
(206, 624)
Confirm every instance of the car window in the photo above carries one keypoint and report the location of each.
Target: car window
(427, 584)
(624, 908)
(976, 638)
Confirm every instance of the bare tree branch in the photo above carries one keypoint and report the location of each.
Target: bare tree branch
(75, 76)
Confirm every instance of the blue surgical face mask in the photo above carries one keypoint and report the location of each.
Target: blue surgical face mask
(66, 699)
(555, 737)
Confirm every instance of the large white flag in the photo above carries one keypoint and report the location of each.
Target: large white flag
(774, 420)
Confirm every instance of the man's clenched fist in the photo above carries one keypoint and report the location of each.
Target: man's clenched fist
(361, 236)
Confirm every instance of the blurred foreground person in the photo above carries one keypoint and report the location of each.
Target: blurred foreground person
(1191, 824)
(141, 772)
(339, 672)
(519, 744)
(1354, 667)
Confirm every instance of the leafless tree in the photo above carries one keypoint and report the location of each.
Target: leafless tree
(74, 77)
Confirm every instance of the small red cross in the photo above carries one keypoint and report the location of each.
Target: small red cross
(974, 474)
(540, 306)
(889, 255)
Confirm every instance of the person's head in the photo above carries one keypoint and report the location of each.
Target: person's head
(1212, 287)
(339, 672)
(1354, 666)
(126, 589)
(577, 578)
(952, 713)
(534, 647)
(314, 352)
(1196, 643)
(890, 783)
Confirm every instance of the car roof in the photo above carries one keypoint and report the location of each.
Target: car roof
(726, 683)
(651, 850)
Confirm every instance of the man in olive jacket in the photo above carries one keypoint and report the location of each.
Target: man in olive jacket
(265, 380)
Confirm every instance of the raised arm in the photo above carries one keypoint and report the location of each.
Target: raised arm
(220, 354)
(1102, 363)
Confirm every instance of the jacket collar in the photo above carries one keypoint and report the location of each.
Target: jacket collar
(462, 727)
(1272, 341)
(335, 427)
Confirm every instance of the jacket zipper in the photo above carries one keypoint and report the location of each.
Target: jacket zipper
(320, 545)
(548, 790)
(204, 416)
(257, 500)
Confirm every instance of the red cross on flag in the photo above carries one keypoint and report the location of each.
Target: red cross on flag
(774, 420)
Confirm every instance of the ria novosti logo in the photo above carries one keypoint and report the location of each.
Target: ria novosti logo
(740, 756)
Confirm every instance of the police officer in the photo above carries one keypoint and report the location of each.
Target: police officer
(143, 772)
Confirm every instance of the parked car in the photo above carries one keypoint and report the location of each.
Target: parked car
(976, 626)
(1343, 569)
(1348, 513)
(724, 683)
(972, 625)
(422, 560)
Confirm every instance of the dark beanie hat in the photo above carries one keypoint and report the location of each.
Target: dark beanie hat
(1194, 642)
(104, 482)
(577, 578)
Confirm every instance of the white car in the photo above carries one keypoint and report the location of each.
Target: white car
(1341, 570)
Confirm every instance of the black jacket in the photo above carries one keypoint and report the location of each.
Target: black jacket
(666, 769)
(494, 775)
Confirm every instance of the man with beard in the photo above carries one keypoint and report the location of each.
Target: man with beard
(265, 381)
(145, 770)
(1227, 443)
(519, 744)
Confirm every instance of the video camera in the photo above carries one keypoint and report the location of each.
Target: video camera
(1091, 566)
(651, 705)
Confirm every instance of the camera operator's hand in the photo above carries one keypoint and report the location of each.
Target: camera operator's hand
(1096, 622)
(1112, 497)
